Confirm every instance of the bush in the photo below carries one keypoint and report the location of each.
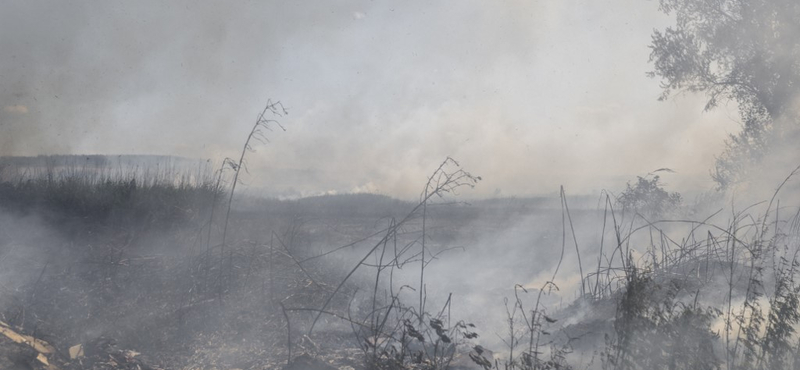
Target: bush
(648, 198)
(654, 330)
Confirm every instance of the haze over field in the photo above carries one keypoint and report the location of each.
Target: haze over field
(353, 185)
(528, 94)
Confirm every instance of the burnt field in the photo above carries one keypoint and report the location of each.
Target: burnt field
(121, 263)
(400, 185)
(128, 272)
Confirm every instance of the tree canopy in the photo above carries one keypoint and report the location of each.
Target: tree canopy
(744, 51)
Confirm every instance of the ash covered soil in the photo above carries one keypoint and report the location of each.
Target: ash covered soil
(130, 288)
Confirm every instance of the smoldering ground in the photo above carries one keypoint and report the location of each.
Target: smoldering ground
(529, 96)
(492, 251)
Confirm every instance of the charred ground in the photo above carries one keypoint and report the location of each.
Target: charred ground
(131, 272)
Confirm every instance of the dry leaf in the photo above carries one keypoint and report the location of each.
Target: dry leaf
(43, 359)
(76, 351)
(37, 344)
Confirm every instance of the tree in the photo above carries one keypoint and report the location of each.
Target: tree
(745, 51)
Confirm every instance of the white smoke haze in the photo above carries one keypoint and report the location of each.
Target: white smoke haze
(119, 115)
(529, 95)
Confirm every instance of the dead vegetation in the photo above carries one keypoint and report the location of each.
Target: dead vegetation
(107, 297)
(164, 273)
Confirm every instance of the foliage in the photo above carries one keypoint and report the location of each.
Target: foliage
(734, 50)
(654, 330)
(648, 197)
(740, 50)
(742, 151)
(783, 317)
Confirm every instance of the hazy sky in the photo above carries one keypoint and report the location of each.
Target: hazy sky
(528, 94)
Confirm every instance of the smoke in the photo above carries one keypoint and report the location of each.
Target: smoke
(527, 95)
(21, 262)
